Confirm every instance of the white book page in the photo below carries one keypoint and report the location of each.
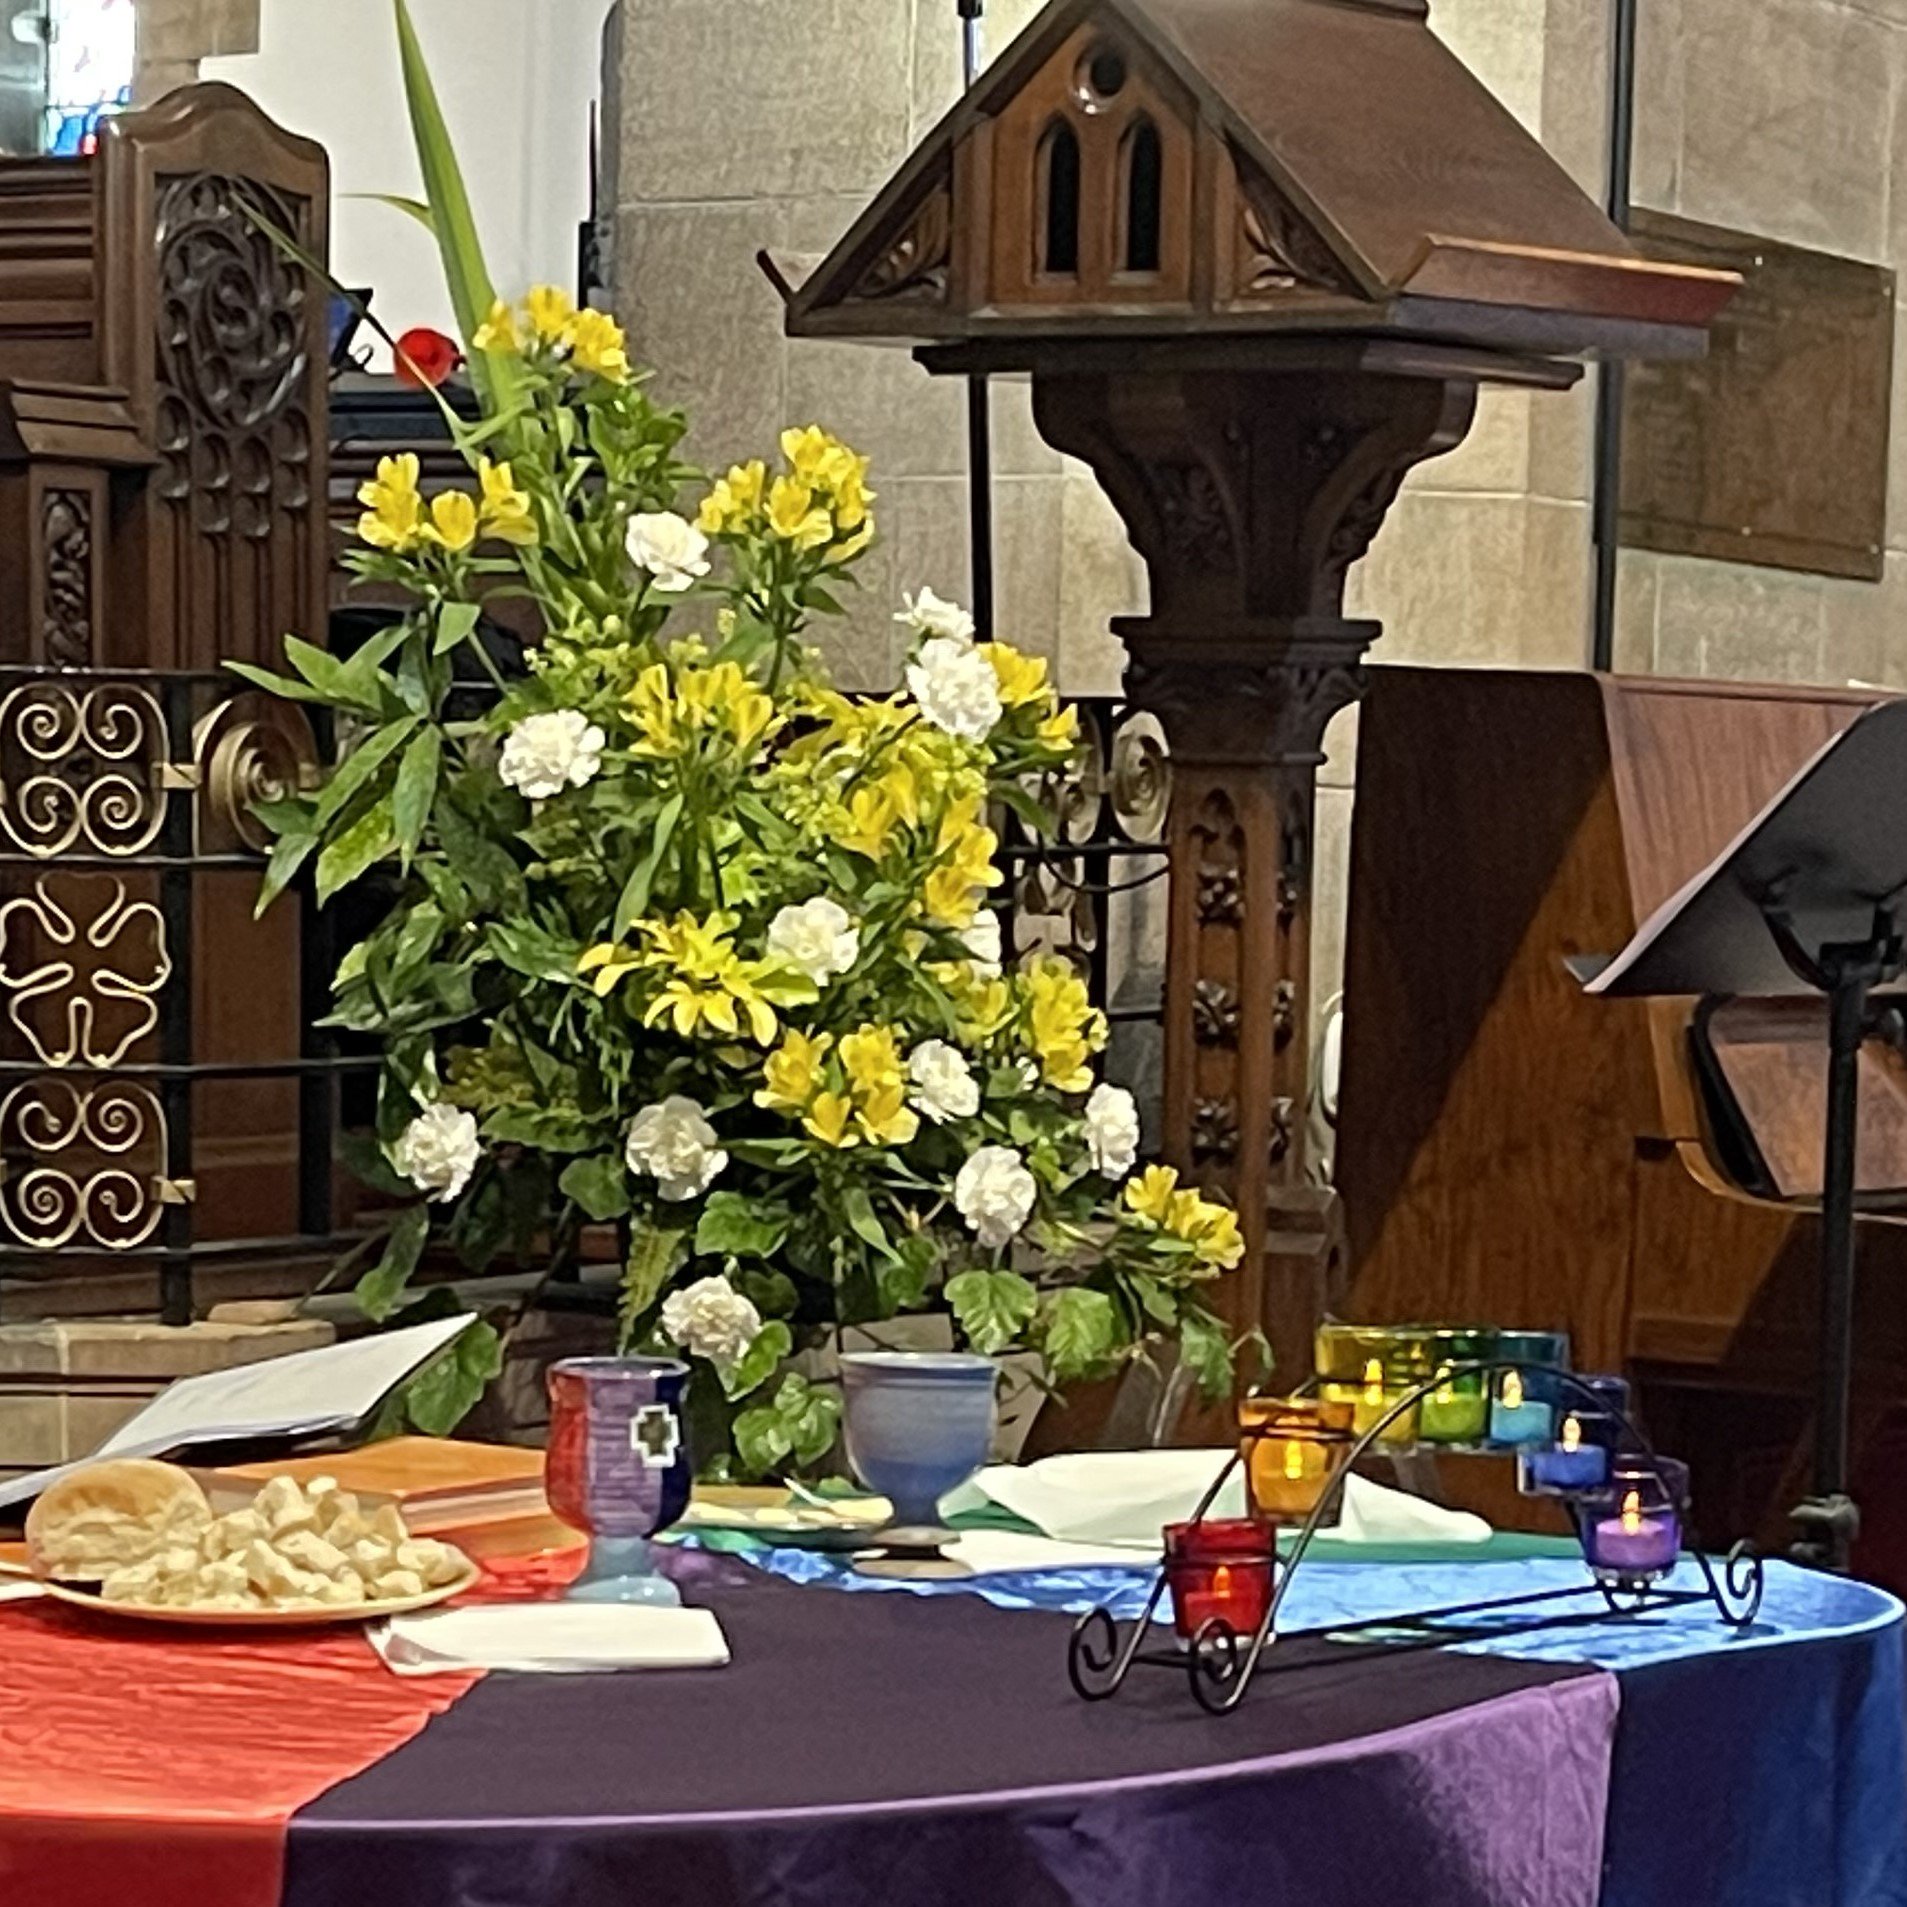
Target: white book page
(330, 1388)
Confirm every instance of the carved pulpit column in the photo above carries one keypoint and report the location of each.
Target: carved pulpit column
(1257, 256)
(1245, 659)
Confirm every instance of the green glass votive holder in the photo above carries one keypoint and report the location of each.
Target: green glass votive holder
(1371, 1367)
(1524, 1401)
(1458, 1410)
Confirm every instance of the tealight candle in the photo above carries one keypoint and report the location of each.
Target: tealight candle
(1457, 1411)
(1293, 1448)
(1219, 1571)
(1517, 1419)
(1568, 1464)
(1371, 1368)
(1633, 1543)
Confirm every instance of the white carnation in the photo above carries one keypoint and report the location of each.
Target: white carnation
(711, 1319)
(670, 548)
(941, 1082)
(544, 754)
(995, 1194)
(1112, 1131)
(439, 1150)
(818, 938)
(674, 1144)
(982, 942)
(956, 688)
(930, 615)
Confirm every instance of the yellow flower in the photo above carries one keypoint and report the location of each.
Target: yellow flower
(808, 450)
(1150, 1194)
(498, 332)
(792, 1074)
(651, 705)
(870, 822)
(709, 986)
(884, 1115)
(552, 310)
(735, 501)
(831, 1120)
(731, 701)
(872, 1058)
(1059, 729)
(795, 517)
(394, 510)
(597, 346)
(453, 521)
(610, 964)
(508, 513)
(953, 891)
(1218, 1241)
(1022, 678)
(1063, 1025)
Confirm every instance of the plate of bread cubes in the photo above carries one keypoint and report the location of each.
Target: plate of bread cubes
(143, 1539)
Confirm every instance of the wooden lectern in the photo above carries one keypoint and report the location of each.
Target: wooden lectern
(162, 492)
(1257, 256)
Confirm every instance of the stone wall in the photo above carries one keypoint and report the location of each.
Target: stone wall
(175, 35)
(750, 124)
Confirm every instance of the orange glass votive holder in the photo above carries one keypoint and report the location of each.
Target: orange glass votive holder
(1294, 1448)
(1219, 1570)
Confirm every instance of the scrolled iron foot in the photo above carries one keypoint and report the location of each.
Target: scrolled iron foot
(1095, 1663)
(1215, 1667)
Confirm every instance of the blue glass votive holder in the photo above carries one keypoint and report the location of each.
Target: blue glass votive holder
(1588, 1437)
(1631, 1529)
(1524, 1399)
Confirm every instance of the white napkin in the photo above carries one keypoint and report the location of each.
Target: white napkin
(550, 1638)
(1128, 1496)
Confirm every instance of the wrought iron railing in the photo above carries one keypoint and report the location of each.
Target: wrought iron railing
(123, 794)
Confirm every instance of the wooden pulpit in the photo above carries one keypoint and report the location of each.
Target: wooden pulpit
(162, 491)
(1257, 256)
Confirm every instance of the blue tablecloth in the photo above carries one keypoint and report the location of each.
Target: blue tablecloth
(1757, 1769)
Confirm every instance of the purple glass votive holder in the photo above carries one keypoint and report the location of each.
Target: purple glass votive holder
(1632, 1527)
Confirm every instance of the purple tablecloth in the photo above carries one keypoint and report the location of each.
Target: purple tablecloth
(900, 1752)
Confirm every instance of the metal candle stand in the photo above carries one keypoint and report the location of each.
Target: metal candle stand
(1220, 1662)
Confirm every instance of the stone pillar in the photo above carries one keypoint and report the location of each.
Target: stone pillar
(175, 35)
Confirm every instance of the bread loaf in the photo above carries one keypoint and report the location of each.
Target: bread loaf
(112, 1516)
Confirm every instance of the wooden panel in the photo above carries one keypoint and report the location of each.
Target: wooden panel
(1772, 449)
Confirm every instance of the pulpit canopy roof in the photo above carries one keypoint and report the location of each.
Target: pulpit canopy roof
(1158, 167)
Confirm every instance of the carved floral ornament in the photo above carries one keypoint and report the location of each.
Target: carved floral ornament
(83, 1164)
(81, 768)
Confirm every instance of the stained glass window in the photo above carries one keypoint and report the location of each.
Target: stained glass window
(90, 55)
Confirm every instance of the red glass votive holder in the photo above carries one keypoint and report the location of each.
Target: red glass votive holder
(1219, 1570)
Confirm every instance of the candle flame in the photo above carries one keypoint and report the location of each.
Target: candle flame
(1572, 1434)
(1445, 1394)
(1632, 1514)
(1294, 1462)
(1513, 1392)
(1374, 1381)
(1221, 1581)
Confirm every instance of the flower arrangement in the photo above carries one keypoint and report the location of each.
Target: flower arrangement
(686, 940)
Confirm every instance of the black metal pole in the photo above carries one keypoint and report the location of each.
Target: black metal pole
(1611, 377)
(1847, 1024)
(979, 396)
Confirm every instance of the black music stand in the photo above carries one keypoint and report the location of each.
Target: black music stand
(1810, 898)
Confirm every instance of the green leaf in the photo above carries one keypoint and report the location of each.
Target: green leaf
(902, 1284)
(411, 208)
(762, 1440)
(635, 894)
(1205, 1349)
(548, 1128)
(654, 1256)
(600, 1185)
(866, 1224)
(734, 1225)
(773, 1343)
(1079, 1331)
(456, 623)
(992, 1308)
(288, 855)
(449, 1387)
(472, 290)
(281, 686)
(364, 1159)
(772, 1293)
(813, 1417)
(415, 791)
(380, 1289)
(354, 773)
(359, 848)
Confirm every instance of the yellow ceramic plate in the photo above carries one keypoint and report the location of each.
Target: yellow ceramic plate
(251, 1618)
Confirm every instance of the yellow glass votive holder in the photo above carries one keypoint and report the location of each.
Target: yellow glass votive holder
(1373, 1368)
(1458, 1410)
(1294, 1448)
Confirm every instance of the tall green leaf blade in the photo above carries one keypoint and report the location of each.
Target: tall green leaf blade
(472, 290)
(415, 791)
